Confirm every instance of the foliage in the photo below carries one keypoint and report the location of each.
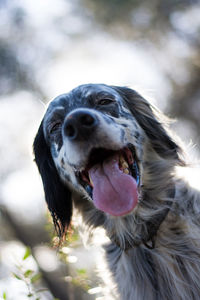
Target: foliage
(4, 296)
(29, 277)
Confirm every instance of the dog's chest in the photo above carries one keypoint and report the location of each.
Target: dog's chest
(133, 274)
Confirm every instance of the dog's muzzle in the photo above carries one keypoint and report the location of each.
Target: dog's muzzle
(110, 174)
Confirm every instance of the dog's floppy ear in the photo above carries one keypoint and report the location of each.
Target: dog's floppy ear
(58, 196)
(144, 113)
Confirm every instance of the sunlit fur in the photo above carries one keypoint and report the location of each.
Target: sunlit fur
(154, 252)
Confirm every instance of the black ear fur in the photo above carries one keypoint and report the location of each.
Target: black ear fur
(58, 196)
(160, 140)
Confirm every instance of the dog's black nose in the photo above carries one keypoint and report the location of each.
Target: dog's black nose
(80, 124)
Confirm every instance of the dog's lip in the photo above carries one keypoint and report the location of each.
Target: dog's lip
(97, 155)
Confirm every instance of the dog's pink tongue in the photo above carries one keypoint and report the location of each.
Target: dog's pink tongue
(114, 192)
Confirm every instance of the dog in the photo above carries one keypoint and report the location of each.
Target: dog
(106, 151)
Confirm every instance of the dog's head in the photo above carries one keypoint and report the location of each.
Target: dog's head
(105, 145)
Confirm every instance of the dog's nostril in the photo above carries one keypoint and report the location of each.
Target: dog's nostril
(80, 125)
(87, 120)
(70, 131)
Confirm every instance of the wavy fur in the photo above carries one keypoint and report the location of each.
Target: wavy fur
(154, 252)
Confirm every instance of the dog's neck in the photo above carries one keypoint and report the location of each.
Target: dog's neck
(152, 227)
(171, 269)
(149, 240)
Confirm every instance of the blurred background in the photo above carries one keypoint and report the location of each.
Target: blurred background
(48, 47)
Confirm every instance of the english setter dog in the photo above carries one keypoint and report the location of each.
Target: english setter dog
(108, 152)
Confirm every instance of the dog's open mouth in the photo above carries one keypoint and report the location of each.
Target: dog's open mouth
(111, 178)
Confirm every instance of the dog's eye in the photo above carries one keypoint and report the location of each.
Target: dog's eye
(55, 127)
(105, 101)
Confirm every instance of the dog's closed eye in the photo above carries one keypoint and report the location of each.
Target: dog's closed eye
(105, 101)
(55, 126)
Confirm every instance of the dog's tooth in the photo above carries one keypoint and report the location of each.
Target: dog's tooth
(90, 180)
(123, 162)
(126, 171)
(124, 165)
(121, 159)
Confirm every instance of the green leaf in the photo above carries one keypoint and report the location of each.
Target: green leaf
(4, 296)
(81, 271)
(27, 253)
(28, 273)
(36, 278)
(30, 295)
(17, 276)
